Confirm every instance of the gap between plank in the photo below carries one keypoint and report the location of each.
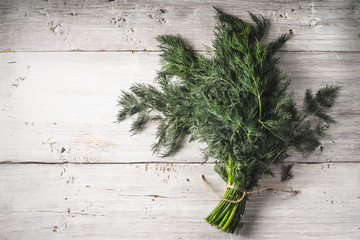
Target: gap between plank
(155, 51)
(157, 162)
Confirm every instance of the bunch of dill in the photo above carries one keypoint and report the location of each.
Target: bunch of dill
(235, 99)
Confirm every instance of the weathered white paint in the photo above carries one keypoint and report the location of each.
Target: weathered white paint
(117, 25)
(61, 107)
(165, 201)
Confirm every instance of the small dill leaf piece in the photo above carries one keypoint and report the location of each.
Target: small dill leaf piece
(287, 173)
(270, 172)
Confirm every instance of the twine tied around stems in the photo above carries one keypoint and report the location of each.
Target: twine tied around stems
(245, 192)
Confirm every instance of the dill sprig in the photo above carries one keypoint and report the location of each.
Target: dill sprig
(287, 172)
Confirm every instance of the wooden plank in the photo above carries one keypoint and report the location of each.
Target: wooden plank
(36, 25)
(61, 107)
(159, 201)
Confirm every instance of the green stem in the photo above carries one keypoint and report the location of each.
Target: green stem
(247, 134)
(212, 216)
(224, 228)
(226, 215)
(263, 124)
(305, 116)
(230, 163)
(258, 96)
(228, 83)
(285, 146)
(259, 99)
(277, 155)
(224, 219)
(221, 216)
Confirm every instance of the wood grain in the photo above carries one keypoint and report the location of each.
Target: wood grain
(75, 174)
(102, 25)
(61, 107)
(163, 201)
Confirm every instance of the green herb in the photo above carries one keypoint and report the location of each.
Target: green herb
(287, 173)
(235, 99)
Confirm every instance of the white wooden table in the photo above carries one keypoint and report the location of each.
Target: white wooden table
(69, 172)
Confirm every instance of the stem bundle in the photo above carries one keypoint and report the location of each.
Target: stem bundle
(227, 216)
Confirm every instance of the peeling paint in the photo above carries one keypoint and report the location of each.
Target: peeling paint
(59, 30)
(118, 21)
